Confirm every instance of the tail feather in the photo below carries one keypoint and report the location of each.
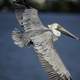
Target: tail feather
(19, 38)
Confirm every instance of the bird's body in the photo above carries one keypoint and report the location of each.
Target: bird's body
(42, 39)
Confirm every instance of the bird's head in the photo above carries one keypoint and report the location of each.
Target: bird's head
(58, 29)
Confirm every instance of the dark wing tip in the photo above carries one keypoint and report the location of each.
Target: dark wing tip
(64, 77)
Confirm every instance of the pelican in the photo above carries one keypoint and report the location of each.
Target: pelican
(34, 33)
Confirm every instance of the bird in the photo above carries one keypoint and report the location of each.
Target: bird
(33, 33)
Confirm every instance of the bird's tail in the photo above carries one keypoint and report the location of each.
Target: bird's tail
(19, 38)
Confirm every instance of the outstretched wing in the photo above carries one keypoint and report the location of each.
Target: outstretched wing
(28, 18)
(49, 58)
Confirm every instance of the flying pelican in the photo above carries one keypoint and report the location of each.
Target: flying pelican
(42, 38)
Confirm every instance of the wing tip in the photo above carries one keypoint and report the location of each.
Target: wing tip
(65, 78)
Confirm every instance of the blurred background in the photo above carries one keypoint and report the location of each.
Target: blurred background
(54, 5)
(22, 63)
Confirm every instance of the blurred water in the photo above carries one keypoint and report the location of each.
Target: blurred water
(22, 64)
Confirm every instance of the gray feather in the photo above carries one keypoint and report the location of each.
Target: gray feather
(19, 38)
(42, 39)
(28, 18)
(49, 58)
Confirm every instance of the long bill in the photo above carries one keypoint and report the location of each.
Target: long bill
(67, 33)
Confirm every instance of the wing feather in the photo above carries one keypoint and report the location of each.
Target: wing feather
(51, 62)
(19, 38)
(28, 18)
(52, 74)
(49, 58)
